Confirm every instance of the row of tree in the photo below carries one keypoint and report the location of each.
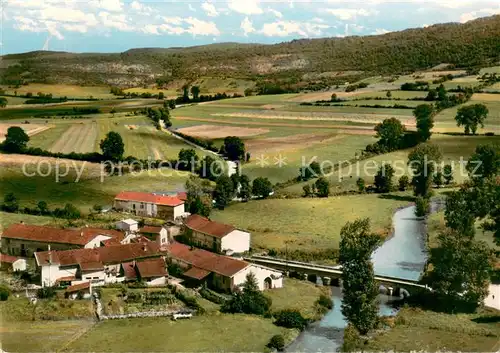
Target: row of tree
(11, 204)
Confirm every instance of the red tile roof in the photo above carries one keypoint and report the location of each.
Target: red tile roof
(206, 226)
(9, 259)
(66, 279)
(151, 268)
(56, 235)
(89, 266)
(206, 260)
(140, 239)
(149, 198)
(129, 270)
(196, 273)
(182, 196)
(77, 287)
(106, 255)
(150, 230)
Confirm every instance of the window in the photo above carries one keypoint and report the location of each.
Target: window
(162, 240)
(142, 205)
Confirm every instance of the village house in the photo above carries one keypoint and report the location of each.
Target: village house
(219, 272)
(81, 290)
(151, 271)
(149, 205)
(157, 234)
(100, 265)
(128, 225)
(24, 240)
(12, 263)
(215, 236)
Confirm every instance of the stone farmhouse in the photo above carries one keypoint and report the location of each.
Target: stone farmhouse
(24, 240)
(98, 266)
(149, 205)
(219, 272)
(214, 236)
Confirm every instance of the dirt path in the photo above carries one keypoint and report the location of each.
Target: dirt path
(347, 129)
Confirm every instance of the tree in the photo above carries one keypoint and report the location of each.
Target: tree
(185, 93)
(290, 318)
(161, 95)
(4, 292)
(460, 272)
(43, 208)
(424, 115)
(422, 161)
(471, 116)
(361, 184)
(248, 92)
(448, 174)
(112, 146)
(390, 132)
(68, 212)
(224, 191)
(432, 95)
(459, 214)
(10, 203)
(210, 168)
(421, 206)
(484, 164)
(313, 170)
(3, 102)
(359, 304)
(188, 159)
(334, 98)
(195, 91)
(234, 148)
(437, 178)
(199, 200)
(16, 139)
(245, 191)
(277, 342)
(383, 179)
(171, 104)
(403, 183)
(250, 300)
(388, 94)
(262, 187)
(307, 190)
(322, 187)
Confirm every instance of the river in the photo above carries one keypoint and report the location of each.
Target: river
(403, 255)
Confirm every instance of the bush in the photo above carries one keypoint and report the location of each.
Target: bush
(290, 318)
(352, 341)
(325, 301)
(277, 342)
(46, 293)
(4, 293)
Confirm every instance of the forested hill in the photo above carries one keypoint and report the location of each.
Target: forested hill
(476, 43)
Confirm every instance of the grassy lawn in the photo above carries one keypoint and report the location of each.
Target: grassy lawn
(61, 90)
(220, 332)
(446, 119)
(307, 224)
(430, 331)
(296, 294)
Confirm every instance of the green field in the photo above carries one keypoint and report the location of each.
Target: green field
(308, 224)
(85, 193)
(431, 331)
(70, 91)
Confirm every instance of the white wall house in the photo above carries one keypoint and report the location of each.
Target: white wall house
(237, 241)
(128, 225)
(149, 205)
(267, 278)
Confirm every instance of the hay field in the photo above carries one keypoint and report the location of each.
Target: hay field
(220, 131)
(80, 138)
(30, 129)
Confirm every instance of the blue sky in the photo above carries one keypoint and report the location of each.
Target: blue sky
(118, 25)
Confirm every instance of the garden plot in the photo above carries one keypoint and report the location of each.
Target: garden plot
(80, 138)
(220, 131)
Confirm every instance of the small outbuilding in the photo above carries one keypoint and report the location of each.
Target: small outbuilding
(12, 263)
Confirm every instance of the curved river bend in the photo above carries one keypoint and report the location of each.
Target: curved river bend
(403, 255)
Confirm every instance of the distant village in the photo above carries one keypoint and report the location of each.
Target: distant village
(198, 251)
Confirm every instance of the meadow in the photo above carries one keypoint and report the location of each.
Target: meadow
(309, 224)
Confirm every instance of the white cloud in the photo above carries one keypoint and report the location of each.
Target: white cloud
(112, 21)
(246, 7)
(380, 31)
(466, 17)
(191, 8)
(348, 14)
(140, 8)
(275, 12)
(177, 25)
(210, 9)
(287, 28)
(247, 26)
(107, 5)
(203, 28)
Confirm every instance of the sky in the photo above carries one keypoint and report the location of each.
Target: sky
(119, 25)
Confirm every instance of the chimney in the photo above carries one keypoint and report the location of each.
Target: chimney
(144, 248)
(81, 233)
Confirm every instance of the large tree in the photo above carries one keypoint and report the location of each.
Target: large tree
(224, 191)
(234, 148)
(322, 187)
(199, 199)
(112, 146)
(245, 190)
(383, 179)
(16, 139)
(484, 164)
(391, 133)
(261, 187)
(424, 115)
(423, 162)
(460, 272)
(359, 304)
(188, 159)
(471, 116)
(195, 91)
(210, 168)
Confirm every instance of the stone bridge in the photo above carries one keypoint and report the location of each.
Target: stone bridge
(331, 275)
